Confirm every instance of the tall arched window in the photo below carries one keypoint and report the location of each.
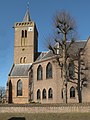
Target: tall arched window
(71, 70)
(62, 93)
(38, 94)
(44, 94)
(19, 88)
(21, 60)
(49, 70)
(25, 33)
(72, 92)
(23, 36)
(22, 33)
(24, 60)
(39, 72)
(50, 93)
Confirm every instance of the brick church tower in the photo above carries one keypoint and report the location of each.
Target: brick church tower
(25, 53)
(26, 41)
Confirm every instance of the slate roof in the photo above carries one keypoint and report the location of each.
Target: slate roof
(73, 50)
(27, 16)
(48, 54)
(77, 46)
(20, 70)
(41, 55)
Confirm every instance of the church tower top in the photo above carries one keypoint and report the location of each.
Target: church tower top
(25, 41)
(27, 15)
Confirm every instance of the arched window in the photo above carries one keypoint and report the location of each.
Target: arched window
(72, 92)
(39, 73)
(22, 33)
(38, 94)
(62, 93)
(49, 70)
(25, 33)
(44, 94)
(19, 88)
(24, 60)
(71, 70)
(21, 60)
(50, 93)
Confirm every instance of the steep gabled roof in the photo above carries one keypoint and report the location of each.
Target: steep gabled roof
(73, 50)
(42, 54)
(27, 16)
(48, 54)
(20, 70)
(77, 46)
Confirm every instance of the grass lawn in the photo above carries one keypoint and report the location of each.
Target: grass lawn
(45, 116)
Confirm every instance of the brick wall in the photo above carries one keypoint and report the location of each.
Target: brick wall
(45, 108)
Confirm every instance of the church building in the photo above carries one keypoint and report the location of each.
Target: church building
(37, 77)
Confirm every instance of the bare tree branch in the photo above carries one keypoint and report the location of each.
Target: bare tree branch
(65, 29)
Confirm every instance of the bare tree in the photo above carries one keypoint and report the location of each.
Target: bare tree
(2, 93)
(82, 69)
(66, 33)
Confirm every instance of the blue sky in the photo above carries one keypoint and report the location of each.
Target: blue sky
(42, 12)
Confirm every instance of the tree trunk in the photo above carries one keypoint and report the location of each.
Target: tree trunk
(79, 84)
(64, 71)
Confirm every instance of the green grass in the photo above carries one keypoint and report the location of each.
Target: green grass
(45, 116)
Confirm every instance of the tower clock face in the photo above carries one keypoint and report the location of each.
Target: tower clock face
(30, 28)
